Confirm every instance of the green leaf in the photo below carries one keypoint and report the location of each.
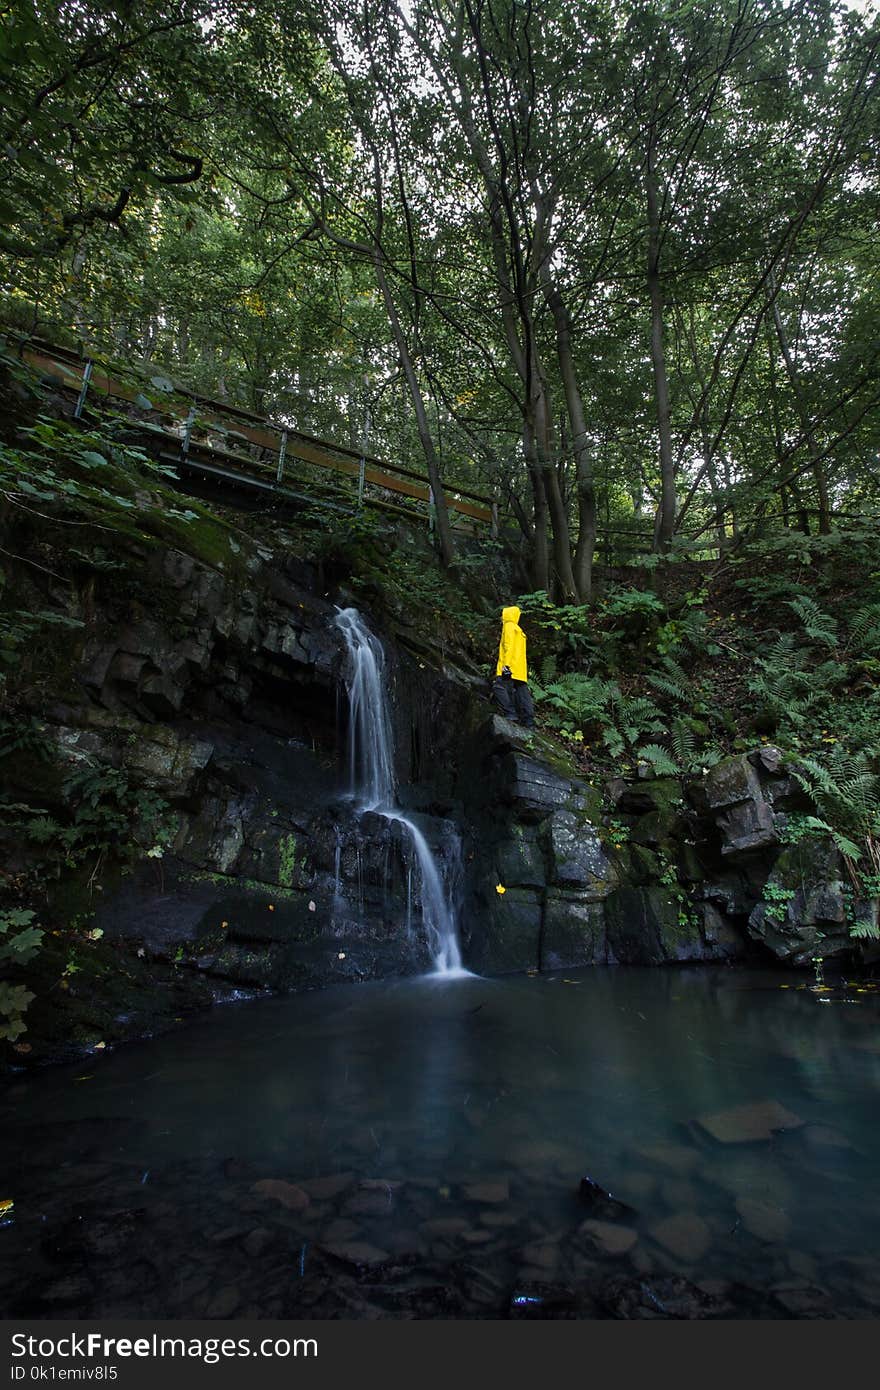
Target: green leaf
(17, 917)
(23, 946)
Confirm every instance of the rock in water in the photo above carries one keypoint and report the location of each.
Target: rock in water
(602, 1203)
(286, 1193)
(746, 1123)
(614, 1240)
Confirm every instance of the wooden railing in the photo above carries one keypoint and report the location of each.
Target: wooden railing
(196, 432)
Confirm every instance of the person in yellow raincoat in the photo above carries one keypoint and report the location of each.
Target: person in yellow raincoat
(510, 686)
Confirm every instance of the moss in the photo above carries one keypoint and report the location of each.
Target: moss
(252, 885)
(287, 860)
(642, 864)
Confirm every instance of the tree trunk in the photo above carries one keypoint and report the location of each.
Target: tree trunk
(445, 541)
(582, 572)
(794, 380)
(665, 522)
(539, 541)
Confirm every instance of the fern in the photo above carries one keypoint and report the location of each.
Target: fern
(548, 669)
(581, 698)
(864, 629)
(845, 789)
(683, 744)
(659, 759)
(848, 848)
(864, 930)
(820, 627)
(668, 685)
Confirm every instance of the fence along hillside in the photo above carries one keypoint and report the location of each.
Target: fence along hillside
(225, 443)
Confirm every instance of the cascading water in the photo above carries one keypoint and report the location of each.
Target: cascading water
(371, 767)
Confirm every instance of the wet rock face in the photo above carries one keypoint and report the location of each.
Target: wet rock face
(223, 695)
(551, 888)
(802, 912)
(578, 859)
(732, 793)
(694, 872)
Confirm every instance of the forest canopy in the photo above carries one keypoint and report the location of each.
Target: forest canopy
(615, 264)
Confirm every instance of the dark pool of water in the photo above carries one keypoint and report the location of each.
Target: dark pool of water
(440, 1132)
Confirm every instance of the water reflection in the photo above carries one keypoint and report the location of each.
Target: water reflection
(480, 1104)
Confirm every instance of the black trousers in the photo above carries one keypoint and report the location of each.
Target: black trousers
(514, 699)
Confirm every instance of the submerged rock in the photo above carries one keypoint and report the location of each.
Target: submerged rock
(675, 1297)
(601, 1203)
(286, 1193)
(489, 1193)
(745, 1124)
(763, 1220)
(357, 1253)
(685, 1234)
(613, 1240)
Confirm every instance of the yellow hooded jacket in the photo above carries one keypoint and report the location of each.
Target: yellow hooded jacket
(512, 650)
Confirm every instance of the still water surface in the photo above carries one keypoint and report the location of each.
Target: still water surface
(440, 1130)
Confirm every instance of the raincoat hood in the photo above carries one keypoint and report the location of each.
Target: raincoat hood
(512, 648)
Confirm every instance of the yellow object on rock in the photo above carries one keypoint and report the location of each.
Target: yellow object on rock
(499, 888)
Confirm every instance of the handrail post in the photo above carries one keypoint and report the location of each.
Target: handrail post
(281, 452)
(184, 443)
(83, 390)
(493, 525)
(431, 510)
(362, 463)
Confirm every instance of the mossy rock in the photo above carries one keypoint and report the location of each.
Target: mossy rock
(573, 932)
(508, 934)
(639, 865)
(644, 927)
(520, 860)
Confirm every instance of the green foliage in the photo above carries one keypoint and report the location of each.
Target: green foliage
(631, 609)
(797, 827)
(819, 626)
(23, 735)
(26, 941)
(568, 626)
(860, 908)
(864, 630)
(576, 701)
(17, 628)
(776, 901)
(633, 717)
(86, 472)
(19, 942)
(109, 813)
(846, 790)
(662, 765)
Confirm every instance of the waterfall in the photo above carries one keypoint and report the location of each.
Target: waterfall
(371, 763)
(371, 772)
